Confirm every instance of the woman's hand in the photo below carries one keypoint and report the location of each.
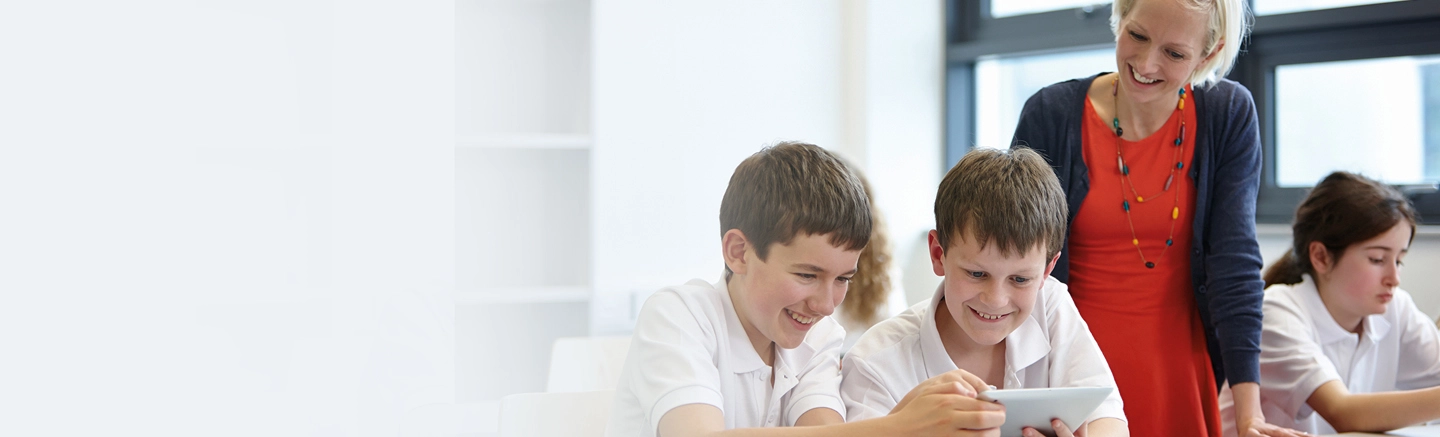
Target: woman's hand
(1258, 428)
(1249, 420)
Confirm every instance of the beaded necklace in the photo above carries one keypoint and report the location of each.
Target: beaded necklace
(1125, 175)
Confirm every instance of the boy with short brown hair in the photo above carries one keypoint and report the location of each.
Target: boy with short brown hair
(1000, 220)
(755, 349)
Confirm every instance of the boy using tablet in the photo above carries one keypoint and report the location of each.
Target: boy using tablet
(999, 226)
(755, 349)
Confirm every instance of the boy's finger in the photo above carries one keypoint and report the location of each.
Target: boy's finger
(977, 420)
(1060, 428)
(972, 404)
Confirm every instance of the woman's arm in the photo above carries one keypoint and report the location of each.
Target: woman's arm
(1233, 287)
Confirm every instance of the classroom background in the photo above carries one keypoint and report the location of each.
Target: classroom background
(616, 125)
(311, 218)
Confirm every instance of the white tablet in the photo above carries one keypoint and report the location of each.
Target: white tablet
(1034, 407)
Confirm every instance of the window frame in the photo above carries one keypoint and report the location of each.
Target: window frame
(1406, 28)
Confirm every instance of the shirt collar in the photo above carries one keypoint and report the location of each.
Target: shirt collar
(1375, 326)
(1023, 347)
(741, 351)
(1029, 343)
(936, 360)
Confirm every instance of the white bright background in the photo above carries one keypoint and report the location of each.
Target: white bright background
(225, 218)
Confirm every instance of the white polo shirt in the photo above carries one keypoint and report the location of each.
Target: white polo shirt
(1051, 348)
(1302, 348)
(689, 348)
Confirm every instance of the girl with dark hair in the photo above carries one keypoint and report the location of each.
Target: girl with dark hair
(1343, 347)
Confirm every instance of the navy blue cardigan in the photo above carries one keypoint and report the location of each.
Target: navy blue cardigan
(1225, 263)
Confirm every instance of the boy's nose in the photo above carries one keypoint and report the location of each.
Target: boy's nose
(824, 303)
(995, 297)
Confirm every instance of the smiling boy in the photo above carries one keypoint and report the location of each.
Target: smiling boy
(756, 350)
(999, 225)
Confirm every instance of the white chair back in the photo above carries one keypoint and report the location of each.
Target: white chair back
(581, 414)
(586, 363)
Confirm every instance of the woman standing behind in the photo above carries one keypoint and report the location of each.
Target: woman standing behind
(1161, 165)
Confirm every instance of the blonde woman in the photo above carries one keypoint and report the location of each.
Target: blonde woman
(1160, 162)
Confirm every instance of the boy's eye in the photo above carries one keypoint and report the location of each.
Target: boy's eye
(1020, 279)
(806, 275)
(976, 275)
(844, 279)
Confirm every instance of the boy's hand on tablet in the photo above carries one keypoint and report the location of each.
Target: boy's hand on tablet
(1060, 430)
(956, 382)
(948, 414)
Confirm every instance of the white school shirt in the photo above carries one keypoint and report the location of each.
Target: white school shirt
(689, 348)
(1302, 348)
(1052, 348)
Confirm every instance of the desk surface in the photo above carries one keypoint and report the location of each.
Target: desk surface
(1414, 431)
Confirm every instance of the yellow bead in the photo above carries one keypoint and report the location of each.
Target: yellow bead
(1182, 103)
(1175, 213)
(1139, 199)
(1136, 241)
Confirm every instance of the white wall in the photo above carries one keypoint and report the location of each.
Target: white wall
(685, 91)
(225, 219)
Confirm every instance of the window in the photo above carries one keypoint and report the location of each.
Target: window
(1003, 85)
(1384, 123)
(1271, 7)
(1010, 8)
(1339, 84)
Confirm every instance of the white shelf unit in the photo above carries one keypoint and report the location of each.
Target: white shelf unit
(523, 197)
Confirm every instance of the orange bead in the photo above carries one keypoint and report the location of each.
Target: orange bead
(1136, 241)
(1139, 199)
(1175, 213)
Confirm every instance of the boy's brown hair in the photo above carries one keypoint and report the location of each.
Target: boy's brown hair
(790, 188)
(1006, 197)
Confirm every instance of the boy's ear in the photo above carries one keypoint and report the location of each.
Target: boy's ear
(1051, 267)
(733, 247)
(1320, 258)
(937, 253)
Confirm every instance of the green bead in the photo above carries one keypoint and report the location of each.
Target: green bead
(1126, 204)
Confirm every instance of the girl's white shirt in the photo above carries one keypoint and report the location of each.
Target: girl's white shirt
(1302, 348)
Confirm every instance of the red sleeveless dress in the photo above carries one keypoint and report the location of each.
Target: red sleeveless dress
(1146, 320)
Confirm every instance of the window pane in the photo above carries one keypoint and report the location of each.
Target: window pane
(1008, 8)
(1383, 120)
(1270, 7)
(1003, 85)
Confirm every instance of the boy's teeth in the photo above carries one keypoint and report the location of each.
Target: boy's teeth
(802, 320)
(987, 316)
